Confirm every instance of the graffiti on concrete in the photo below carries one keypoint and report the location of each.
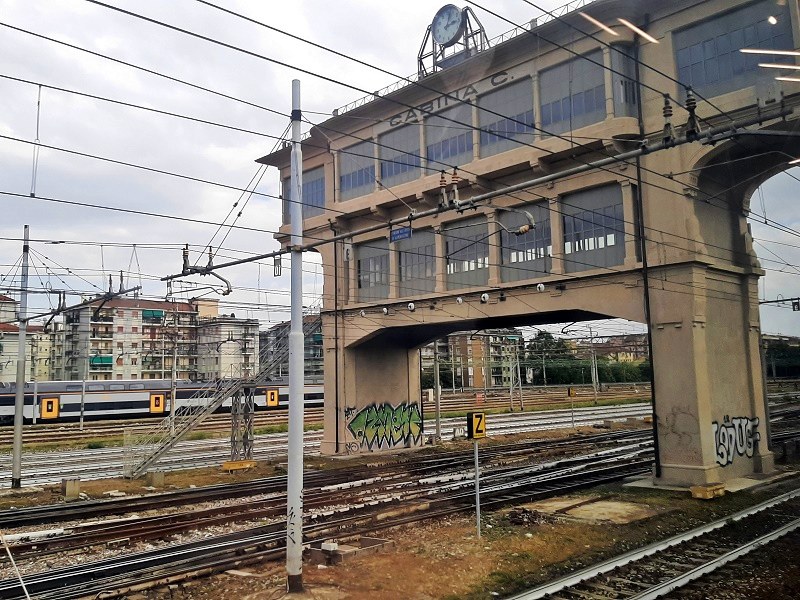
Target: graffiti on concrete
(735, 437)
(383, 426)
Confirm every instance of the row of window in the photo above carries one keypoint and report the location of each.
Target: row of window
(593, 236)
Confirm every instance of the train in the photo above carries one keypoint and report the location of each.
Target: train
(60, 401)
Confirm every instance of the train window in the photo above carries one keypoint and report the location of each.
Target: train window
(116, 386)
(95, 388)
(137, 386)
(74, 388)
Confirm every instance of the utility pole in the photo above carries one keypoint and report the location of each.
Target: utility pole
(594, 365)
(34, 358)
(437, 391)
(519, 378)
(450, 347)
(173, 387)
(19, 398)
(83, 383)
(294, 489)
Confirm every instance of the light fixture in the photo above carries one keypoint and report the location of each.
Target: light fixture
(779, 66)
(636, 30)
(795, 161)
(363, 313)
(502, 297)
(772, 20)
(539, 287)
(385, 310)
(484, 298)
(795, 79)
(459, 300)
(762, 51)
(602, 26)
(411, 307)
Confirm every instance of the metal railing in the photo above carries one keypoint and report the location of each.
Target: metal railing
(503, 37)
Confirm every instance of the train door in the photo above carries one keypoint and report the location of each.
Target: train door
(49, 408)
(157, 403)
(272, 398)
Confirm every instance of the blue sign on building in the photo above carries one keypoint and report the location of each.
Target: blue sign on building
(400, 233)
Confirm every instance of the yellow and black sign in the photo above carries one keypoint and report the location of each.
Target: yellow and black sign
(49, 408)
(476, 425)
(157, 403)
(272, 398)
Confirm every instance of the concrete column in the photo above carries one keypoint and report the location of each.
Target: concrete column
(495, 252)
(441, 264)
(629, 216)
(556, 237)
(609, 82)
(394, 271)
(711, 416)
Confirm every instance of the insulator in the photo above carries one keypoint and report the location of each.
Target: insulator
(442, 180)
(691, 101)
(454, 178)
(667, 107)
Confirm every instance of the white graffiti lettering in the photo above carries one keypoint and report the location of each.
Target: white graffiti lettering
(735, 437)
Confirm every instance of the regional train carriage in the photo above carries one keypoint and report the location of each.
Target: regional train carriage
(58, 401)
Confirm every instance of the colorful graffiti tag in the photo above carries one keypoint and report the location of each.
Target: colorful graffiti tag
(735, 437)
(382, 426)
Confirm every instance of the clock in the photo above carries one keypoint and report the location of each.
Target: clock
(448, 25)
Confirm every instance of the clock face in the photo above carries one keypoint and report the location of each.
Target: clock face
(448, 25)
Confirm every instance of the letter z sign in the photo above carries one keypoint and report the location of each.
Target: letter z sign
(476, 425)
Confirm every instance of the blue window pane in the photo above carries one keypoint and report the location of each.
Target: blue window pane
(724, 64)
(712, 71)
(709, 51)
(683, 58)
(696, 53)
(750, 36)
(577, 104)
(723, 44)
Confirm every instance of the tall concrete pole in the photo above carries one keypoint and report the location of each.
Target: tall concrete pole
(19, 399)
(294, 490)
(437, 391)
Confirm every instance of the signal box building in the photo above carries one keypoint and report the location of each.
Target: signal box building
(465, 199)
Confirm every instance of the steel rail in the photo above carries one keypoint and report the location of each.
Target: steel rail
(607, 566)
(95, 578)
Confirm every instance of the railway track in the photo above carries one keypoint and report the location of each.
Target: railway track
(41, 468)
(333, 510)
(665, 566)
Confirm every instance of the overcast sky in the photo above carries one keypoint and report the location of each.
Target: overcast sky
(380, 33)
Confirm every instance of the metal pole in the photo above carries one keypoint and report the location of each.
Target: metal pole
(437, 390)
(34, 358)
(83, 384)
(477, 488)
(19, 398)
(173, 387)
(519, 379)
(35, 400)
(452, 363)
(294, 491)
(594, 365)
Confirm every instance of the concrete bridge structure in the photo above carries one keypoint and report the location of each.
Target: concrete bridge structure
(465, 158)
